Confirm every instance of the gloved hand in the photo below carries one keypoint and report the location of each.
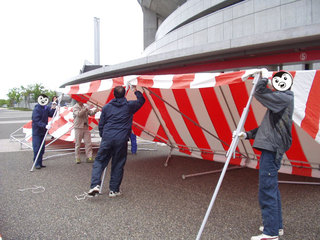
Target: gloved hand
(133, 88)
(48, 126)
(53, 105)
(264, 73)
(95, 110)
(249, 73)
(241, 135)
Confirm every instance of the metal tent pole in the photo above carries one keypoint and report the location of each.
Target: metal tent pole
(302, 183)
(103, 177)
(167, 132)
(230, 153)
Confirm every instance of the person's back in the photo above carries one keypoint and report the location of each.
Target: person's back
(116, 117)
(114, 128)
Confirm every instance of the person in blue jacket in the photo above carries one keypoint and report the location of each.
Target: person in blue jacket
(115, 129)
(40, 115)
(273, 138)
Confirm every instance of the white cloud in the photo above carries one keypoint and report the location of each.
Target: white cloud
(47, 42)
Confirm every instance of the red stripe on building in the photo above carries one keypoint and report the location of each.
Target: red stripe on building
(195, 131)
(262, 60)
(310, 123)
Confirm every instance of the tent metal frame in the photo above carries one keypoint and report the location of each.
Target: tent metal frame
(196, 124)
(230, 153)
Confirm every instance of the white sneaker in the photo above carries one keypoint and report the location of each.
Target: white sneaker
(113, 194)
(94, 191)
(281, 232)
(264, 237)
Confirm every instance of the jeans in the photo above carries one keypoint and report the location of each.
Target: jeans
(36, 143)
(117, 150)
(269, 194)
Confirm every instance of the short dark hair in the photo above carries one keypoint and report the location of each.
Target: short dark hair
(43, 95)
(119, 92)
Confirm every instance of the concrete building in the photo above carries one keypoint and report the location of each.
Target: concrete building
(184, 36)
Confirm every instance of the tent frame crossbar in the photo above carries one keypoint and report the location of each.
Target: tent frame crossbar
(209, 172)
(179, 147)
(157, 115)
(297, 182)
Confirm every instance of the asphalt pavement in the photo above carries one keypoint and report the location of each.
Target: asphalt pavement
(156, 202)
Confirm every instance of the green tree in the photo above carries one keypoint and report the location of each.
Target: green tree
(26, 93)
(3, 102)
(14, 96)
(50, 93)
(29, 93)
(36, 90)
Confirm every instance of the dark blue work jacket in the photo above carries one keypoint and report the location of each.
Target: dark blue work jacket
(116, 117)
(40, 116)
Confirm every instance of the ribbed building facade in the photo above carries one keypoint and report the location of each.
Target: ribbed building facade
(183, 36)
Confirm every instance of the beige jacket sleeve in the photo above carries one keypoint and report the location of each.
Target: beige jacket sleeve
(80, 116)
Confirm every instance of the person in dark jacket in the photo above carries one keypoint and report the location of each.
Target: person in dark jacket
(40, 115)
(273, 138)
(115, 129)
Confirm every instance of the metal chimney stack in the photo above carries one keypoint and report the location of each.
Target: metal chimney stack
(96, 40)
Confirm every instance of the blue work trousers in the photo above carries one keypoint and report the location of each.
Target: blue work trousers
(269, 194)
(36, 143)
(117, 150)
(133, 139)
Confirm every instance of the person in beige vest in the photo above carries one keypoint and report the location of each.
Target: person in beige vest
(81, 129)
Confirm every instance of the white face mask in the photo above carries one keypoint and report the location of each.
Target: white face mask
(43, 100)
(282, 81)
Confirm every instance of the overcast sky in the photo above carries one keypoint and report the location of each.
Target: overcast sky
(47, 41)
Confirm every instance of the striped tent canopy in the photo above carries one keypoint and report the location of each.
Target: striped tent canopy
(62, 125)
(197, 113)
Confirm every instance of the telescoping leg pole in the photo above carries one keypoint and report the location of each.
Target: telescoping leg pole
(229, 154)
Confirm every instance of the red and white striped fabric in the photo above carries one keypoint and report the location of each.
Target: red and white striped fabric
(62, 125)
(197, 113)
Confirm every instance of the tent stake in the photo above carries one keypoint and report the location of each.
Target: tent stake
(230, 153)
(169, 156)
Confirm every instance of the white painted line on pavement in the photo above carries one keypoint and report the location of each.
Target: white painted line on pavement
(19, 121)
